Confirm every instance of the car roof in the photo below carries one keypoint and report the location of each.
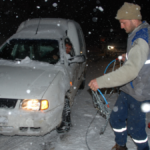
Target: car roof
(47, 28)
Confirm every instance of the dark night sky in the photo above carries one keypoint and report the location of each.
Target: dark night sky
(94, 22)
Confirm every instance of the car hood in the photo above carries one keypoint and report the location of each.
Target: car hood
(26, 81)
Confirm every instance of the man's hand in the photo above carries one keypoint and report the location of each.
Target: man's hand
(123, 57)
(93, 85)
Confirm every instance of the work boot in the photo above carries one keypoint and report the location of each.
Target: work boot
(117, 147)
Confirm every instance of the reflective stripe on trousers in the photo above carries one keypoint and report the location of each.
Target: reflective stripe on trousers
(140, 141)
(120, 130)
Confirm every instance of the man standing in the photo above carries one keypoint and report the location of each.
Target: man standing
(134, 77)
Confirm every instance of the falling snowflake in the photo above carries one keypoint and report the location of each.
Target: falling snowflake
(111, 30)
(115, 109)
(94, 19)
(145, 107)
(28, 91)
(38, 7)
(100, 8)
(119, 57)
(18, 62)
(54, 4)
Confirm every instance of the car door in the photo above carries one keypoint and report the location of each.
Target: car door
(73, 70)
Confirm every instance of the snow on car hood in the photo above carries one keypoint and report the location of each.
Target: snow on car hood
(26, 79)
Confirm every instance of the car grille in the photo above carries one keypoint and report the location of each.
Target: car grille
(7, 103)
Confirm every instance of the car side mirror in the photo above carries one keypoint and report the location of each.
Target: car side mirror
(77, 59)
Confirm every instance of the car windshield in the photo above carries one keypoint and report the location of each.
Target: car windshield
(40, 50)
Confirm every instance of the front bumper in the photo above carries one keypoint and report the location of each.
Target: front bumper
(20, 122)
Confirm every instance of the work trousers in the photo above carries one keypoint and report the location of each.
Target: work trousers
(128, 119)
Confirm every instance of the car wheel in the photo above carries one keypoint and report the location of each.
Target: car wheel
(66, 118)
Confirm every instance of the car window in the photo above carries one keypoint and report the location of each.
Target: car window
(41, 50)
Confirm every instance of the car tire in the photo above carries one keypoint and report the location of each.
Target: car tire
(66, 118)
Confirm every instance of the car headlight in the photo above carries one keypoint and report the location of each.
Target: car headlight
(34, 104)
(110, 47)
(44, 104)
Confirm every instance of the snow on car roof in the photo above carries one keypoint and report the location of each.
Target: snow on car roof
(42, 28)
(45, 21)
(44, 31)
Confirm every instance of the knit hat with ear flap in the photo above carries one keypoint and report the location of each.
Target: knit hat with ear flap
(129, 11)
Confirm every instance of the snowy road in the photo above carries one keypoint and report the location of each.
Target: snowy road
(83, 113)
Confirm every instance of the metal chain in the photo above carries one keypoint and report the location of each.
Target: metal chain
(104, 111)
(66, 119)
(100, 104)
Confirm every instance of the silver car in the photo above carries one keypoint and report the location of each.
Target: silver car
(38, 79)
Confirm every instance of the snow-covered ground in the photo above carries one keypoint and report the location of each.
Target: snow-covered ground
(86, 124)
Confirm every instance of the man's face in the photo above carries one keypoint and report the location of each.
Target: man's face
(68, 48)
(127, 25)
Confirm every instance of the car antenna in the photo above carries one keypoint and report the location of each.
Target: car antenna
(38, 26)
